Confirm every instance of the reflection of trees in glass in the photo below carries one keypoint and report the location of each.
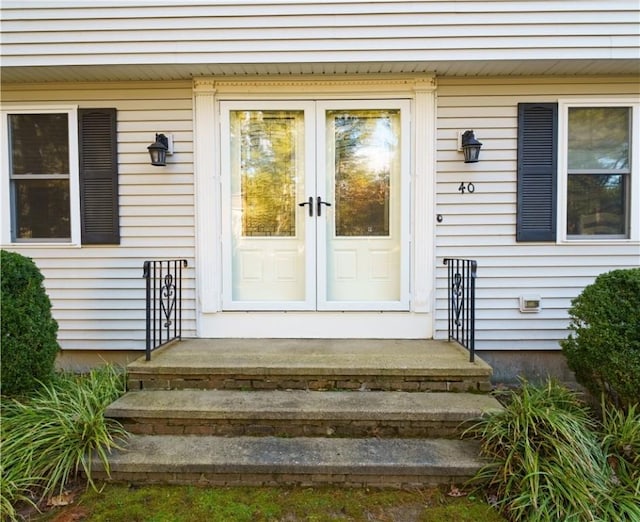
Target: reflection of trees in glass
(42, 209)
(268, 173)
(598, 138)
(39, 169)
(598, 169)
(596, 204)
(39, 143)
(365, 150)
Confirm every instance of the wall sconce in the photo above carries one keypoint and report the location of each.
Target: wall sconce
(471, 147)
(158, 150)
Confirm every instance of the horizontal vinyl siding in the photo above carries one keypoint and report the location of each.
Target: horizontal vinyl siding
(482, 225)
(138, 32)
(98, 292)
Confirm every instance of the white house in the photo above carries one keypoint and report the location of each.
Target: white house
(316, 181)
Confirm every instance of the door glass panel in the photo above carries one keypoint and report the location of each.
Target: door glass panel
(267, 173)
(363, 226)
(365, 152)
(267, 181)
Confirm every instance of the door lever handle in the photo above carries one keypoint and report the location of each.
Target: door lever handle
(320, 203)
(310, 203)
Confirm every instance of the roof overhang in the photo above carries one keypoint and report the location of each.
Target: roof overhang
(156, 72)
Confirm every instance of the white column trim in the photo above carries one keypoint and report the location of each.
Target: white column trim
(423, 239)
(207, 196)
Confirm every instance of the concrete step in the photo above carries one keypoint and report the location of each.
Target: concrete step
(298, 413)
(311, 364)
(304, 461)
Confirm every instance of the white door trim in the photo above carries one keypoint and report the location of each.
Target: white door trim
(316, 325)
(208, 92)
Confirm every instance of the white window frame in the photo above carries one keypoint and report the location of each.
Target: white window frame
(634, 174)
(5, 178)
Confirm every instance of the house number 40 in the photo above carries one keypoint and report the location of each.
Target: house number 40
(467, 187)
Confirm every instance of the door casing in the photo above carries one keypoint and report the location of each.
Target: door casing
(211, 320)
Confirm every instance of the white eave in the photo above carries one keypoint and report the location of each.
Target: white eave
(141, 72)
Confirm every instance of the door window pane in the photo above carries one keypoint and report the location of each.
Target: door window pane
(366, 153)
(268, 165)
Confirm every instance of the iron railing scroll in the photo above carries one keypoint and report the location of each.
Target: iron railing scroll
(461, 315)
(163, 302)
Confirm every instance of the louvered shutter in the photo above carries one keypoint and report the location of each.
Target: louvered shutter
(537, 171)
(98, 176)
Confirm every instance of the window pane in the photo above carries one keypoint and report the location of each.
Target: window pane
(267, 143)
(39, 143)
(598, 138)
(596, 204)
(366, 153)
(42, 209)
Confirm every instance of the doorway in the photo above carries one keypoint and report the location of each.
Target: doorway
(315, 205)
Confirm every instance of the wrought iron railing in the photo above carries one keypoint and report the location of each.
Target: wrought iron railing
(461, 289)
(163, 302)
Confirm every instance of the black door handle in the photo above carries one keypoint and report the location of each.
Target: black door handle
(310, 203)
(320, 203)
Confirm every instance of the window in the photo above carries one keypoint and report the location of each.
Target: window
(598, 167)
(59, 171)
(41, 175)
(578, 171)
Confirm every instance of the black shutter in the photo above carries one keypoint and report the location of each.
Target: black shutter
(98, 176)
(537, 171)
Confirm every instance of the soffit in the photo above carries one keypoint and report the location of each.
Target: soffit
(141, 72)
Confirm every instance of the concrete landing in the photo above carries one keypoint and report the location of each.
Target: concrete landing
(278, 356)
(313, 364)
(272, 461)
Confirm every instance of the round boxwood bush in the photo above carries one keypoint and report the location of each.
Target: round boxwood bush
(29, 344)
(604, 347)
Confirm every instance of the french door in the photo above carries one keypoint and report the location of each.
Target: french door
(315, 205)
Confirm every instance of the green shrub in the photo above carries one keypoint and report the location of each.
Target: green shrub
(54, 435)
(29, 345)
(604, 348)
(547, 462)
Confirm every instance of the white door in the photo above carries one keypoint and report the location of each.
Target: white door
(315, 205)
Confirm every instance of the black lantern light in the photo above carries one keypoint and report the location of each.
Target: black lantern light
(471, 147)
(158, 150)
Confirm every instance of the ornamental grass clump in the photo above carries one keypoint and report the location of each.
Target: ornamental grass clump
(51, 437)
(15, 488)
(621, 445)
(546, 461)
